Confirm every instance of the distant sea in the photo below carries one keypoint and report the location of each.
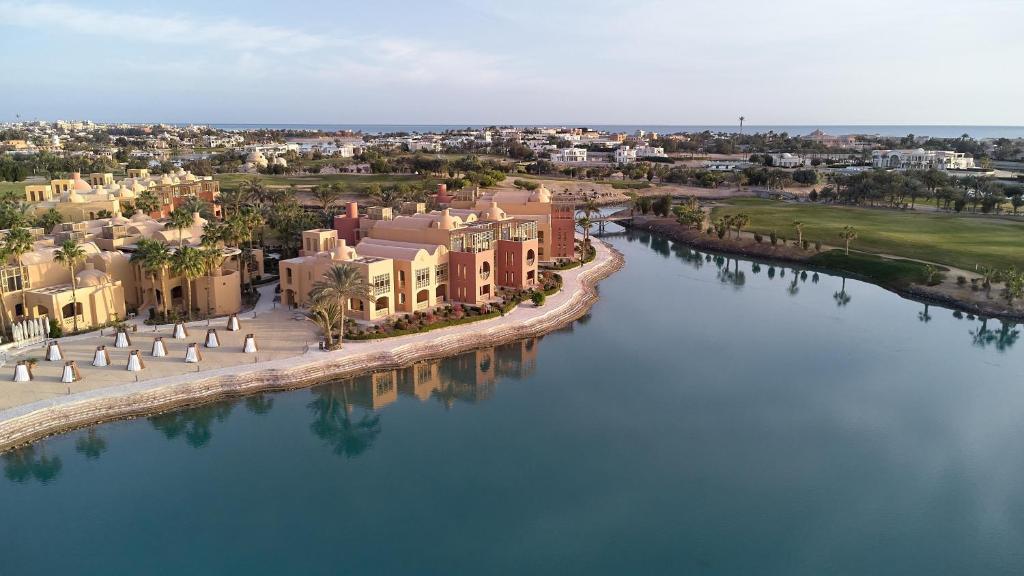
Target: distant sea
(835, 129)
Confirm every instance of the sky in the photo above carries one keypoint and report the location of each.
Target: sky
(523, 62)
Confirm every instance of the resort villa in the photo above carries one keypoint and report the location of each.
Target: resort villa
(462, 253)
(107, 284)
(78, 199)
(921, 159)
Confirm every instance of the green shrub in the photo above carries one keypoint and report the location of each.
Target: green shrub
(773, 238)
(538, 298)
(758, 238)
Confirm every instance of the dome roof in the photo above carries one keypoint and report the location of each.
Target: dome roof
(447, 221)
(91, 277)
(493, 213)
(80, 185)
(166, 179)
(541, 194)
(140, 217)
(74, 196)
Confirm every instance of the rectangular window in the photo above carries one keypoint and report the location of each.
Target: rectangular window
(381, 284)
(441, 273)
(422, 277)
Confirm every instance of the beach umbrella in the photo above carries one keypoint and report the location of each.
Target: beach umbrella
(233, 323)
(121, 340)
(250, 344)
(101, 357)
(180, 332)
(192, 353)
(54, 352)
(71, 373)
(135, 363)
(22, 373)
(159, 350)
(212, 341)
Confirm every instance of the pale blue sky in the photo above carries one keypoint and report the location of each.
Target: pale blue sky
(529, 61)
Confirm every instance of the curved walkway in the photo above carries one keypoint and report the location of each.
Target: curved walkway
(29, 422)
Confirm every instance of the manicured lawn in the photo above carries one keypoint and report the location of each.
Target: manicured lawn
(230, 181)
(956, 240)
(883, 271)
(18, 187)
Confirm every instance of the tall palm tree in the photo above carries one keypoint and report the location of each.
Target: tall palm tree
(180, 220)
(341, 283)
(327, 195)
(69, 255)
(585, 223)
(849, 234)
(188, 263)
(194, 204)
(18, 243)
(4, 255)
(153, 257)
(327, 314)
(799, 232)
(212, 257)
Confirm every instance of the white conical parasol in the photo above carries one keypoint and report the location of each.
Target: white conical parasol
(159, 350)
(135, 363)
(71, 373)
(180, 332)
(212, 341)
(22, 373)
(250, 344)
(54, 352)
(102, 357)
(121, 340)
(192, 353)
(233, 323)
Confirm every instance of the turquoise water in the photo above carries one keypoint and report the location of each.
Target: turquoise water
(711, 416)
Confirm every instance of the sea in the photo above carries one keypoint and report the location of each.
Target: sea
(937, 131)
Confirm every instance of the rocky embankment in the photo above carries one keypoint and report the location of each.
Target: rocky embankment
(24, 424)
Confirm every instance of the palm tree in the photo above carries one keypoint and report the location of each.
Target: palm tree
(586, 224)
(799, 232)
(147, 202)
(153, 257)
(212, 257)
(327, 314)
(740, 221)
(4, 255)
(232, 200)
(180, 220)
(327, 196)
(341, 283)
(196, 205)
(18, 243)
(69, 255)
(188, 263)
(849, 233)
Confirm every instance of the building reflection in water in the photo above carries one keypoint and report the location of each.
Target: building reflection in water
(345, 413)
(470, 377)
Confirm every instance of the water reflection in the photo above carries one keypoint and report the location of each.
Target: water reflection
(195, 424)
(346, 413)
(1001, 340)
(91, 444)
(31, 463)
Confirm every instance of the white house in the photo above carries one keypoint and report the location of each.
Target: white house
(650, 152)
(787, 160)
(569, 155)
(921, 159)
(625, 155)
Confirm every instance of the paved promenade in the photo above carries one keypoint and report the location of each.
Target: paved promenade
(29, 410)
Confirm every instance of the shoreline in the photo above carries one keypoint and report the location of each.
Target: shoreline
(668, 228)
(28, 423)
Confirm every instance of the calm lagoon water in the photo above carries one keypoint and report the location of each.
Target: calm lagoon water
(711, 416)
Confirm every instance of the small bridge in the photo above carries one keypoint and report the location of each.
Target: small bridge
(621, 217)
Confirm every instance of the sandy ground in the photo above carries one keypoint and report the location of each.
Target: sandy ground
(278, 336)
